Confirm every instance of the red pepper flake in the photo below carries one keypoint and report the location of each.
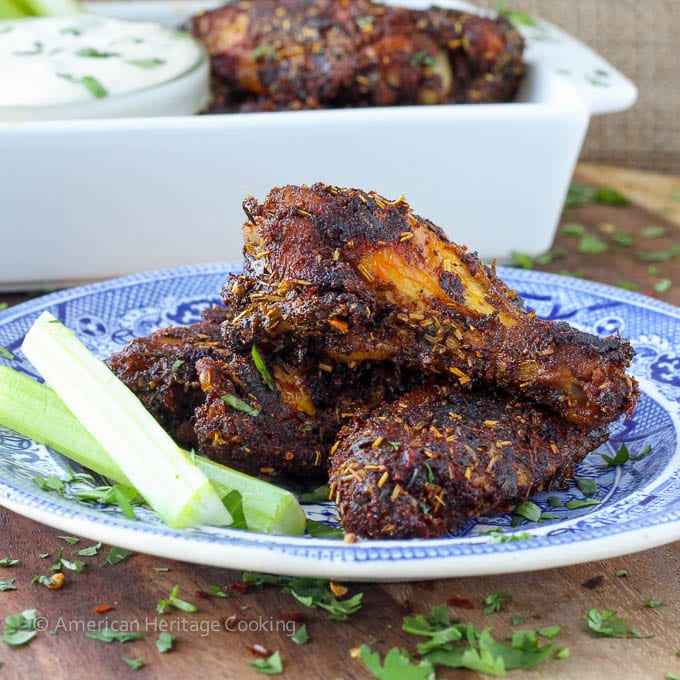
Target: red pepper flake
(239, 587)
(296, 617)
(103, 608)
(259, 650)
(461, 602)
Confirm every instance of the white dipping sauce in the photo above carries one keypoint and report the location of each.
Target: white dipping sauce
(65, 60)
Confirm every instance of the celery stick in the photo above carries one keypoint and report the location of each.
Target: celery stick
(54, 8)
(10, 10)
(171, 484)
(273, 510)
(35, 411)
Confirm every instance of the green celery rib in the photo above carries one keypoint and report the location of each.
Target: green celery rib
(36, 411)
(54, 8)
(162, 473)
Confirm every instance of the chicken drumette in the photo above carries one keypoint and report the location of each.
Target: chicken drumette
(357, 278)
(293, 54)
(436, 457)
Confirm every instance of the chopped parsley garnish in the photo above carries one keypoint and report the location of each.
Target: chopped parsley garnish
(272, 665)
(8, 562)
(654, 231)
(147, 63)
(70, 31)
(422, 58)
(90, 551)
(110, 635)
(116, 555)
(586, 486)
(581, 503)
(71, 540)
(90, 83)
(240, 405)
(572, 229)
(262, 51)
(216, 591)
(20, 628)
(623, 238)
(364, 22)
(164, 642)
(580, 194)
(627, 285)
(622, 456)
(526, 510)
(321, 530)
(125, 497)
(6, 354)
(173, 601)
(37, 49)
(555, 502)
(233, 502)
(313, 593)
(659, 255)
(653, 604)
(605, 624)
(7, 584)
(262, 368)
(495, 602)
(301, 636)
(135, 664)
(317, 495)
(92, 53)
(517, 18)
(621, 573)
(591, 244)
(662, 285)
(396, 666)
(497, 536)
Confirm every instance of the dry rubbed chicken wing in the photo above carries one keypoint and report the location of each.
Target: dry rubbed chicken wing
(220, 403)
(433, 459)
(358, 278)
(160, 370)
(290, 427)
(294, 54)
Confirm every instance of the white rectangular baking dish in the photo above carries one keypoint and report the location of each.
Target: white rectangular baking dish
(89, 199)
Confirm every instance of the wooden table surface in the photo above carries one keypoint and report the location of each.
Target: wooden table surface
(204, 645)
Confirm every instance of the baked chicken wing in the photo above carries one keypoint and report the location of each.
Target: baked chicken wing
(359, 278)
(437, 457)
(293, 54)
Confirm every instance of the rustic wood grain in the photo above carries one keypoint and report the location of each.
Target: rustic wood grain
(204, 647)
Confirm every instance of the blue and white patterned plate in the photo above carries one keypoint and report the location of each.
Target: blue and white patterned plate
(640, 500)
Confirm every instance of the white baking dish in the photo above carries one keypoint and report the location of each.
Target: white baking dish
(90, 199)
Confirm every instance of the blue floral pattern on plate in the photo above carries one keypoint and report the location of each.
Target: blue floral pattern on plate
(639, 502)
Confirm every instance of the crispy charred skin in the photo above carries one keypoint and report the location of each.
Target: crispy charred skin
(361, 278)
(294, 54)
(290, 428)
(435, 458)
(160, 370)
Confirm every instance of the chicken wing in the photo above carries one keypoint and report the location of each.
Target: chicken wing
(437, 457)
(356, 278)
(293, 54)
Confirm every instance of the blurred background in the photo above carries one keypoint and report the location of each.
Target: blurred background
(641, 40)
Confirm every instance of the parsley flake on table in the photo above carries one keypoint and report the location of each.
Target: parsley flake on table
(20, 628)
(71, 540)
(135, 664)
(110, 635)
(173, 601)
(272, 665)
(116, 555)
(8, 562)
(591, 244)
(90, 551)
(313, 593)
(653, 604)
(164, 642)
(301, 636)
(396, 666)
(621, 573)
(216, 591)
(605, 624)
(495, 602)
(7, 584)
